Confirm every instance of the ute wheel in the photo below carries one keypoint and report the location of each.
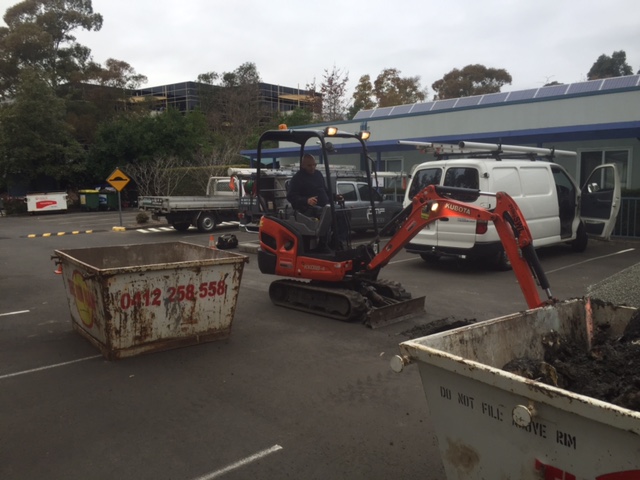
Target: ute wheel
(181, 227)
(206, 223)
(580, 243)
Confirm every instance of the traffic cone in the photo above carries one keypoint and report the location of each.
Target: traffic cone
(212, 242)
(58, 271)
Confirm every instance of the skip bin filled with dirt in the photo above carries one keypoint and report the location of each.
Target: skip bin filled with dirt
(131, 299)
(499, 397)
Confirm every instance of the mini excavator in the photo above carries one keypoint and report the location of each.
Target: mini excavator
(343, 283)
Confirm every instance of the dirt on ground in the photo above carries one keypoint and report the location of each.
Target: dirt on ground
(609, 371)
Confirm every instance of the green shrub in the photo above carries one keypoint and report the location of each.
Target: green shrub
(14, 205)
(142, 218)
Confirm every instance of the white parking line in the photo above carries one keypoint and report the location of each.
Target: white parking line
(14, 313)
(241, 463)
(39, 369)
(591, 260)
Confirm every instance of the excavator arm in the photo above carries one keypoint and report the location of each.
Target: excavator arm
(434, 203)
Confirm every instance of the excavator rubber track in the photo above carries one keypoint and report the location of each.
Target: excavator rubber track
(377, 304)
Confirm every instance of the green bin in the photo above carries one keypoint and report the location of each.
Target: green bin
(108, 200)
(89, 199)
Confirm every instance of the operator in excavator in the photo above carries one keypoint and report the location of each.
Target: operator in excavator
(308, 194)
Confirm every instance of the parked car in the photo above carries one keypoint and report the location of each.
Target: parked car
(357, 199)
(355, 191)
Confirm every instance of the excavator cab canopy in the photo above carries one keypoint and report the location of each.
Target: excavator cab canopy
(308, 139)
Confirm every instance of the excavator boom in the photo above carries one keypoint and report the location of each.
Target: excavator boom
(435, 202)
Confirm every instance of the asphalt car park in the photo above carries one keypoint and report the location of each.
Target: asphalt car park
(288, 395)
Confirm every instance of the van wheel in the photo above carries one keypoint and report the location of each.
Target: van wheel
(181, 227)
(206, 223)
(580, 243)
(501, 261)
(429, 257)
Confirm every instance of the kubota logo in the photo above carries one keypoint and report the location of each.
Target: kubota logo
(458, 208)
(85, 299)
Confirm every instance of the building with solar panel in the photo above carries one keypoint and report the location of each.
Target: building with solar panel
(599, 119)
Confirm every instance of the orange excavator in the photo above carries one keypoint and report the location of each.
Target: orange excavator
(343, 283)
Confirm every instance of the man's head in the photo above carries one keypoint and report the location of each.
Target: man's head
(308, 163)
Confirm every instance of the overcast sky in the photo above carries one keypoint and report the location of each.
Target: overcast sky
(294, 42)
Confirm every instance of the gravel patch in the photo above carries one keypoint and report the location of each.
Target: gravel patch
(623, 288)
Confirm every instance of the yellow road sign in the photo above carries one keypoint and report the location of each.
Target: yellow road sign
(118, 179)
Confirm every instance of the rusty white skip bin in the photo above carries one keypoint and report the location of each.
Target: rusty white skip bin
(133, 299)
(492, 424)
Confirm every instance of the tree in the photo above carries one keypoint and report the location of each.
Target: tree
(471, 80)
(333, 89)
(313, 101)
(233, 107)
(391, 89)
(607, 67)
(118, 74)
(37, 141)
(362, 96)
(39, 36)
(100, 94)
(160, 176)
(140, 138)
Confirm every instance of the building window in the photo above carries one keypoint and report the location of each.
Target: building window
(593, 158)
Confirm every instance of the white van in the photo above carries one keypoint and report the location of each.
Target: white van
(555, 208)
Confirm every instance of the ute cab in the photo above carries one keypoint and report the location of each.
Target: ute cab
(557, 210)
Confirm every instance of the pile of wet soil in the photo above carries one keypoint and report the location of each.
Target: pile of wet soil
(609, 371)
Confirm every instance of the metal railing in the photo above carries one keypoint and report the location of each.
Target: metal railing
(628, 222)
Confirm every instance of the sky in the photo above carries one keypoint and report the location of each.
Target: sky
(294, 43)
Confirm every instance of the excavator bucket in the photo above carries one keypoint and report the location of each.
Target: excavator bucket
(395, 312)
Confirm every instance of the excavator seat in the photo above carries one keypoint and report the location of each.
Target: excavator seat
(311, 226)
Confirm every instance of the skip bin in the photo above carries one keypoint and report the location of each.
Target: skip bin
(133, 299)
(491, 424)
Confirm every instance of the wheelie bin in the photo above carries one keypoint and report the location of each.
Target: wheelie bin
(108, 199)
(89, 200)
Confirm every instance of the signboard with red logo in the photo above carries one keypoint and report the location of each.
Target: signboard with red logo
(46, 202)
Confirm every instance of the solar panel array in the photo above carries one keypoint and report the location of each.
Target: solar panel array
(608, 84)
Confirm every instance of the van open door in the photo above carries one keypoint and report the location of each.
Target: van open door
(600, 201)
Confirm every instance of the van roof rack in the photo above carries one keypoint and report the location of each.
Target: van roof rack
(487, 150)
